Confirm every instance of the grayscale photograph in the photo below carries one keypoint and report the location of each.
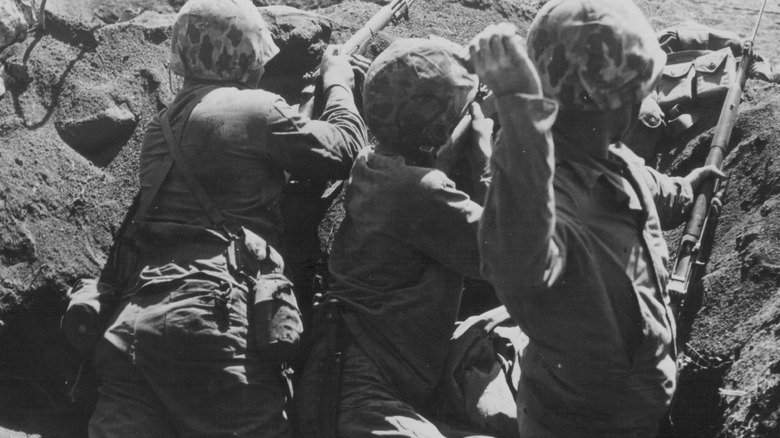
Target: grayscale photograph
(389, 218)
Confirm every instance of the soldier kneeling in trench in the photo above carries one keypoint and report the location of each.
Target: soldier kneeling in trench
(178, 357)
(571, 233)
(401, 254)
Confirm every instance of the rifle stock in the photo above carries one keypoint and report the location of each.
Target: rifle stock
(312, 102)
(693, 251)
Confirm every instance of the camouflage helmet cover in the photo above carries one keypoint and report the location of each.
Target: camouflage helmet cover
(415, 93)
(594, 55)
(222, 40)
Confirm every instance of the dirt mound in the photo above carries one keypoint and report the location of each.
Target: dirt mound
(729, 381)
(71, 122)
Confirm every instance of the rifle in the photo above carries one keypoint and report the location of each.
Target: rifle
(311, 96)
(696, 242)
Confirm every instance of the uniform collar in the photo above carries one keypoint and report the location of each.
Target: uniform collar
(613, 170)
(589, 168)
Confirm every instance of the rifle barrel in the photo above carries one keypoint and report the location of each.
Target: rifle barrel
(388, 13)
(720, 141)
(355, 44)
(758, 21)
(687, 254)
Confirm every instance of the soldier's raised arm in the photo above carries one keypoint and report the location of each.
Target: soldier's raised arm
(519, 216)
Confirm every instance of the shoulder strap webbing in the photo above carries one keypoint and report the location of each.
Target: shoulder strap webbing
(144, 203)
(197, 190)
(141, 205)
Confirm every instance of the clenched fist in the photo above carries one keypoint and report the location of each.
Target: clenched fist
(499, 58)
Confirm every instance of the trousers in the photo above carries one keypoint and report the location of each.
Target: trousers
(189, 371)
(367, 404)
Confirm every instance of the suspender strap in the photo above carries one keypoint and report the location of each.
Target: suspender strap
(141, 203)
(145, 202)
(123, 256)
(197, 190)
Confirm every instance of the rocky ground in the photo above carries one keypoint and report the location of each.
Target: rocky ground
(78, 95)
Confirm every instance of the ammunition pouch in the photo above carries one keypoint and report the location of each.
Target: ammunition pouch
(696, 79)
(249, 254)
(693, 85)
(275, 318)
(92, 303)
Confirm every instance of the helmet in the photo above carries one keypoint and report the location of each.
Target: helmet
(415, 93)
(594, 55)
(222, 40)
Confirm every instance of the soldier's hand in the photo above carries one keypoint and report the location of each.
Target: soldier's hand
(447, 155)
(360, 65)
(699, 175)
(360, 62)
(482, 132)
(470, 139)
(336, 69)
(499, 58)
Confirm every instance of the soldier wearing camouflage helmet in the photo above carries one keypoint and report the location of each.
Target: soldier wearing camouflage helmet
(176, 359)
(399, 259)
(571, 232)
(414, 96)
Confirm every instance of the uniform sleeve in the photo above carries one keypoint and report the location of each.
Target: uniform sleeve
(673, 197)
(517, 235)
(447, 232)
(320, 149)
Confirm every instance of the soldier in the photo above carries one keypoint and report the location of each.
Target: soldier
(399, 259)
(175, 360)
(571, 232)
